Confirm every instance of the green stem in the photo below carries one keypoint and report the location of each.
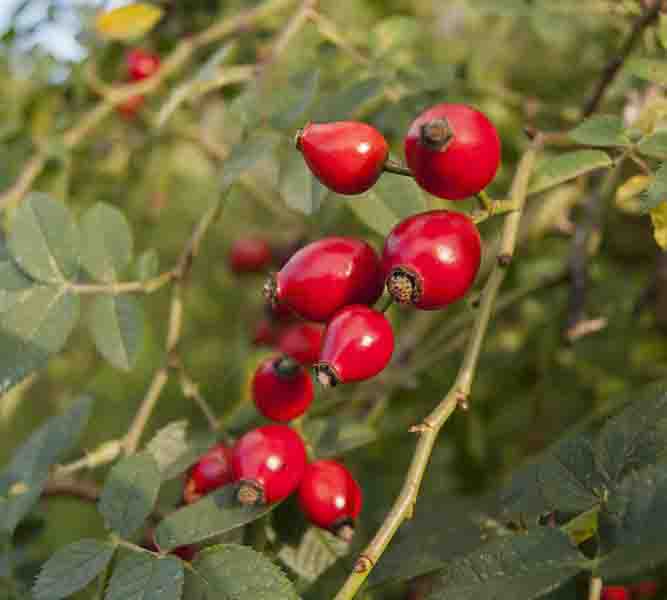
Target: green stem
(384, 303)
(391, 166)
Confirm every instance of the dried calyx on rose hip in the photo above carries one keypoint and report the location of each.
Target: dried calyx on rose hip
(431, 259)
(212, 471)
(268, 463)
(141, 64)
(326, 275)
(330, 497)
(346, 156)
(358, 344)
(249, 255)
(302, 341)
(281, 389)
(615, 592)
(453, 151)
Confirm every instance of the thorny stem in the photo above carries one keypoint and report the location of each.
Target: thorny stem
(172, 64)
(458, 394)
(595, 588)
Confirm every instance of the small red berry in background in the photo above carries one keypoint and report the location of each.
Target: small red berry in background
(249, 255)
(431, 259)
(281, 389)
(141, 64)
(212, 470)
(358, 344)
(453, 151)
(265, 333)
(326, 275)
(346, 156)
(186, 553)
(615, 592)
(644, 590)
(269, 463)
(330, 497)
(302, 341)
(129, 108)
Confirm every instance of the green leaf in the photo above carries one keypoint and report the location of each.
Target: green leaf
(344, 104)
(634, 439)
(564, 167)
(13, 281)
(144, 576)
(289, 112)
(299, 188)
(317, 551)
(657, 191)
(334, 436)
(147, 265)
(238, 572)
(633, 524)
(213, 515)
(117, 326)
(106, 242)
(649, 69)
(391, 200)
(172, 450)
(600, 130)
(129, 493)
(654, 145)
(245, 155)
(36, 323)
(71, 569)
(44, 239)
(22, 480)
(522, 566)
(196, 447)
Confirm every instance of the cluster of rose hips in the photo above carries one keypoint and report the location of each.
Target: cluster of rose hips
(140, 64)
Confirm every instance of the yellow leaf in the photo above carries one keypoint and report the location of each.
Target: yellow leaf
(583, 526)
(659, 220)
(627, 195)
(128, 22)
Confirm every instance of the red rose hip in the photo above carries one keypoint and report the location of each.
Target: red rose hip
(346, 156)
(330, 497)
(212, 470)
(249, 255)
(453, 151)
(615, 592)
(281, 389)
(431, 259)
(302, 341)
(326, 275)
(358, 344)
(129, 108)
(141, 64)
(268, 462)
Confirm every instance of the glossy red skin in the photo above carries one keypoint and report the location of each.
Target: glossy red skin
(644, 590)
(442, 248)
(249, 255)
(466, 165)
(328, 274)
(278, 397)
(328, 494)
(615, 592)
(213, 469)
(272, 457)
(130, 107)
(265, 334)
(141, 64)
(358, 343)
(302, 341)
(346, 156)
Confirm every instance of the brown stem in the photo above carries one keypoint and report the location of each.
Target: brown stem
(75, 488)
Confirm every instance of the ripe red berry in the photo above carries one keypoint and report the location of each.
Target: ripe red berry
(249, 255)
(453, 151)
(358, 344)
(431, 259)
(129, 108)
(330, 497)
(212, 470)
(141, 64)
(268, 462)
(644, 590)
(302, 341)
(282, 389)
(615, 592)
(265, 333)
(326, 275)
(346, 156)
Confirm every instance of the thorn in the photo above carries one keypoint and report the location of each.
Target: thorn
(421, 428)
(363, 564)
